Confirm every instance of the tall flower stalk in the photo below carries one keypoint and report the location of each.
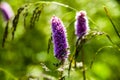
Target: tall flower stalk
(81, 29)
(59, 39)
(7, 12)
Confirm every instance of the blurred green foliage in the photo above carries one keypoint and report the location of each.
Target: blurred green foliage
(26, 56)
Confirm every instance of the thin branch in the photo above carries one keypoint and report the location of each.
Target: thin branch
(56, 3)
(100, 49)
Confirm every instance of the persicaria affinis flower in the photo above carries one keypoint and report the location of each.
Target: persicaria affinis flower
(59, 39)
(6, 10)
(81, 24)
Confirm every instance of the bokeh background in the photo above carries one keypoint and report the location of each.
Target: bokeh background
(26, 56)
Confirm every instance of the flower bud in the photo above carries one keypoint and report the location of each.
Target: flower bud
(81, 24)
(6, 10)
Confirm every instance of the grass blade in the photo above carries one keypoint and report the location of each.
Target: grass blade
(111, 22)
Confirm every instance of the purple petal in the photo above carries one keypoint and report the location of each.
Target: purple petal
(6, 10)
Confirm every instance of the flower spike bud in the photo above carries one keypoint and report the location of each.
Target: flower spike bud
(6, 10)
(59, 39)
(81, 24)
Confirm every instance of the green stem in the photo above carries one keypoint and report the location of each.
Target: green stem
(62, 72)
(84, 76)
(6, 72)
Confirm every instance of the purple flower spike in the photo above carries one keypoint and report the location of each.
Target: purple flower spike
(59, 39)
(6, 10)
(81, 24)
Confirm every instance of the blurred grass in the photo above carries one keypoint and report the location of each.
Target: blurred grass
(22, 56)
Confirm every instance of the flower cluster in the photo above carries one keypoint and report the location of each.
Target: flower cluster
(59, 38)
